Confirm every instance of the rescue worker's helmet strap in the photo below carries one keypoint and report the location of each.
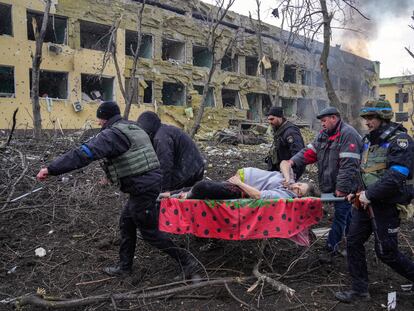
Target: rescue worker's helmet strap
(379, 107)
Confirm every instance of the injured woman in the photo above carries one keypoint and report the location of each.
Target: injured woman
(251, 183)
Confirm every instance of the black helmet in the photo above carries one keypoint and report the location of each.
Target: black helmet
(380, 108)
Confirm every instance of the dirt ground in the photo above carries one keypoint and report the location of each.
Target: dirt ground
(76, 221)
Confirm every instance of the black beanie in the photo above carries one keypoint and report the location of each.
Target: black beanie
(107, 110)
(275, 111)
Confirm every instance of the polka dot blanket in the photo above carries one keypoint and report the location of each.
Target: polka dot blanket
(241, 219)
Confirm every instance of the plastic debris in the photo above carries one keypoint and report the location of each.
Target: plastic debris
(40, 252)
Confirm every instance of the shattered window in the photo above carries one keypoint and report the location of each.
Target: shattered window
(131, 40)
(288, 105)
(56, 30)
(173, 50)
(404, 97)
(266, 104)
(251, 65)
(210, 102)
(271, 73)
(202, 57)
(148, 92)
(290, 74)
(255, 106)
(230, 98)
(52, 84)
(94, 36)
(305, 109)
(6, 25)
(306, 77)
(94, 87)
(229, 63)
(318, 80)
(173, 94)
(6, 81)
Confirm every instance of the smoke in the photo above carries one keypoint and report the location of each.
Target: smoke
(364, 31)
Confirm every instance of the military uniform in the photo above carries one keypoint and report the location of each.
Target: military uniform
(287, 141)
(131, 162)
(386, 166)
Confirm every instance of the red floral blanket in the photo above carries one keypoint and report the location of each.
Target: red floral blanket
(241, 219)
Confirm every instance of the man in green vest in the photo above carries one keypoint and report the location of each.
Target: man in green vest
(387, 165)
(130, 162)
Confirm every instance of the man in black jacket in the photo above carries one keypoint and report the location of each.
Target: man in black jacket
(387, 174)
(287, 141)
(181, 162)
(132, 163)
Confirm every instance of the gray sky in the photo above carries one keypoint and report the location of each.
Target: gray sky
(383, 37)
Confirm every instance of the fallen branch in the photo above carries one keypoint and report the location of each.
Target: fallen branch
(44, 301)
(279, 286)
(13, 127)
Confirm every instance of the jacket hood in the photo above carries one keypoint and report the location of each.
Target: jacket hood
(149, 122)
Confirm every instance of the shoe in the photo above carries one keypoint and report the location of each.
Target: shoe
(349, 296)
(117, 271)
(189, 272)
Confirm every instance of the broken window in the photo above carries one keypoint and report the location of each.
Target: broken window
(6, 25)
(173, 50)
(147, 85)
(306, 77)
(56, 30)
(305, 109)
(255, 106)
(52, 84)
(271, 73)
(229, 63)
(6, 81)
(251, 65)
(96, 87)
(173, 94)
(404, 97)
(266, 104)
(210, 102)
(131, 39)
(318, 79)
(94, 36)
(382, 96)
(290, 74)
(230, 98)
(202, 57)
(288, 105)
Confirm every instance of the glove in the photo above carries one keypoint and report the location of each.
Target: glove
(363, 198)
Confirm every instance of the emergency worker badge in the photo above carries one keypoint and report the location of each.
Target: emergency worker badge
(290, 139)
(402, 143)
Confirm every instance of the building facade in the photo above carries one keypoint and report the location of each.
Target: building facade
(172, 69)
(399, 91)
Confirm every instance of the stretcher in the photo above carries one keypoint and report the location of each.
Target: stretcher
(241, 219)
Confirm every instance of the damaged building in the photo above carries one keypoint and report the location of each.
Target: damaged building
(174, 62)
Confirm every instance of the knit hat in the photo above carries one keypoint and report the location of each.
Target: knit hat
(275, 111)
(107, 110)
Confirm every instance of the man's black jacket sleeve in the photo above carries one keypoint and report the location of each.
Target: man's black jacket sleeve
(107, 144)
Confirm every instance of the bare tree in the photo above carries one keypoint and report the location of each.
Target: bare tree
(214, 41)
(36, 61)
(315, 18)
(127, 94)
(293, 21)
(407, 48)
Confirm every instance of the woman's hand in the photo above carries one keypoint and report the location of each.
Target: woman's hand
(235, 180)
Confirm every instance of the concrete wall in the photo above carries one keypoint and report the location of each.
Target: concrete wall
(161, 23)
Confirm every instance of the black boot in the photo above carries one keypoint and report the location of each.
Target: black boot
(117, 270)
(189, 272)
(351, 295)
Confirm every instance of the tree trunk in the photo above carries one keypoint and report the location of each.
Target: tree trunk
(37, 60)
(327, 18)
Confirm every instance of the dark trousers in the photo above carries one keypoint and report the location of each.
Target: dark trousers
(208, 189)
(388, 222)
(141, 211)
(189, 182)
